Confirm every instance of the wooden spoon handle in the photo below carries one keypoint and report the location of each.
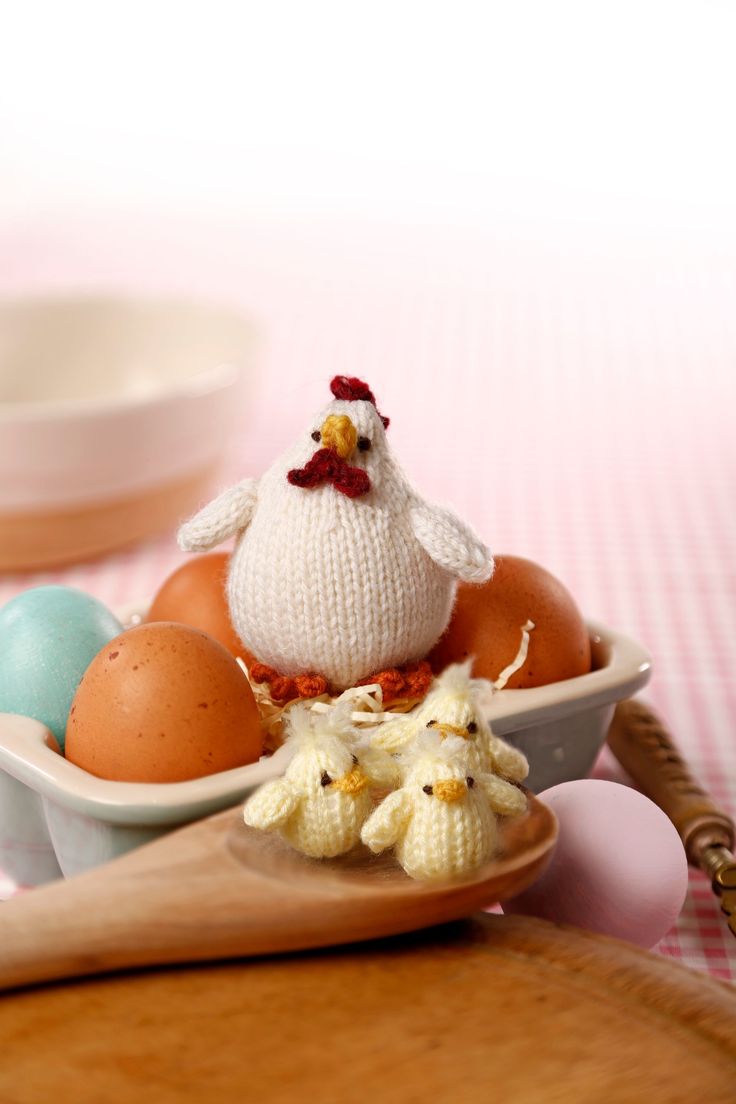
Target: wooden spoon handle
(177, 899)
(216, 889)
(646, 751)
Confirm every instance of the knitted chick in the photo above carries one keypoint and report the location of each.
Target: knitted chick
(455, 706)
(340, 568)
(324, 796)
(442, 822)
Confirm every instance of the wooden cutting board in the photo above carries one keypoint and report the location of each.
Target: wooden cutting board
(500, 1009)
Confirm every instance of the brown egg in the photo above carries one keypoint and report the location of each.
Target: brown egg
(194, 595)
(488, 619)
(163, 703)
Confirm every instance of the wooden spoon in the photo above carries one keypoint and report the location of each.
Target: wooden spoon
(217, 889)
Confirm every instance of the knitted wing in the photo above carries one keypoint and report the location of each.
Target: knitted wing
(271, 805)
(504, 799)
(450, 543)
(508, 761)
(382, 770)
(229, 513)
(394, 736)
(386, 824)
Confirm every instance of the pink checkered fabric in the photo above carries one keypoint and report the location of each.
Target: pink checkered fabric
(574, 401)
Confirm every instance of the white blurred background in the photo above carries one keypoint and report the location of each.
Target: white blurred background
(517, 116)
(515, 218)
(519, 217)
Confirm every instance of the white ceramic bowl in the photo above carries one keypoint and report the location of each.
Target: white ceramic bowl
(57, 819)
(114, 413)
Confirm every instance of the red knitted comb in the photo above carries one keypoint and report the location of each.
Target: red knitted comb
(352, 389)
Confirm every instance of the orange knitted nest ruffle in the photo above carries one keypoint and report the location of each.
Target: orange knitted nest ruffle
(410, 681)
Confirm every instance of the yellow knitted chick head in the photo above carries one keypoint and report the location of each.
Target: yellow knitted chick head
(325, 746)
(457, 705)
(440, 822)
(434, 760)
(324, 796)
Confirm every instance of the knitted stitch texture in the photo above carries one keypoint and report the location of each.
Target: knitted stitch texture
(226, 515)
(442, 822)
(340, 586)
(456, 705)
(324, 796)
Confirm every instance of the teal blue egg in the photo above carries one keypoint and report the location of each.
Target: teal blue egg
(48, 638)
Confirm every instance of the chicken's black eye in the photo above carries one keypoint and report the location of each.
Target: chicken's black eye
(431, 724)
(364, 444)
(470, 781)
(316, 436)
(325, 780)
(355, 760)
(472, 728)
(428, 790)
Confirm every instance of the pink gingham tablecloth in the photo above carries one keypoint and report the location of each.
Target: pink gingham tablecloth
(570, 393)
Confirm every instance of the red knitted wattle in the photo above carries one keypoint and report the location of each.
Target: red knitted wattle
(353, 389)
(327, 467)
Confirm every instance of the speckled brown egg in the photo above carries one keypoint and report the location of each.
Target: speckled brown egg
(488, 619)
(194, 595)
(163, 702)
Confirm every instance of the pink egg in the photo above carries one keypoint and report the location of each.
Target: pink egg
(619, 867)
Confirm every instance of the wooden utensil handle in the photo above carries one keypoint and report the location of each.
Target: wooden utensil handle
(645, 750)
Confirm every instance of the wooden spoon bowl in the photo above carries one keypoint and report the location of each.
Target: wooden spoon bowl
(217, 889)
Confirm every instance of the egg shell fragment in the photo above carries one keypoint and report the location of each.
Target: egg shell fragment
(487, 624)
(163, 703)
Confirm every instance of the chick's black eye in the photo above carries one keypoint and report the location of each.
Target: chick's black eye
(470, 781)
(316, 436)
(364, 444)
(431, 724)
(427, 790)
(325, 780)
(472, 728)
(355, 760)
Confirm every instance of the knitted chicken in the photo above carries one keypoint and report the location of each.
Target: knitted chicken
(320, 803)
(456, 705)
(340, 568)
(442, 822)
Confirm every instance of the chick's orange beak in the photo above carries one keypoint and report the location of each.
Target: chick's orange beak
(446, 729)
(339, 434)
(353, 783)
(450, 790)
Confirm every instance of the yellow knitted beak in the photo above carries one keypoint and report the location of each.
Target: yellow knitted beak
(451, 790)
(339, 434)
(353, 783)
(447, 729)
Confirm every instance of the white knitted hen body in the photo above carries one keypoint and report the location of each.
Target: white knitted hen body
(320, 582)
(339, 586)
